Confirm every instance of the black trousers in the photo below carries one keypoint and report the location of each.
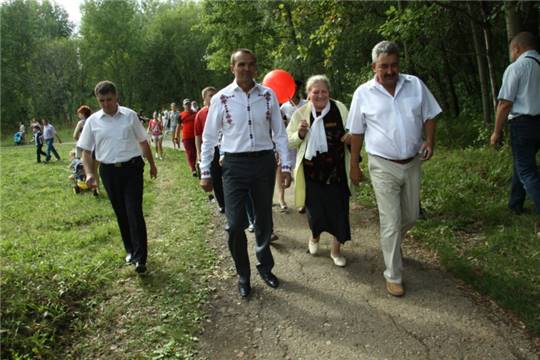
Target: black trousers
(217, 179)
(39, 152)
(124, 186)
(242, 175)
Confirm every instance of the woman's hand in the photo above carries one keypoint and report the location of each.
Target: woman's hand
(303, 128)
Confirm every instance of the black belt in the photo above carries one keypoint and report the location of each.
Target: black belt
(133, 161)
(250, 154)
(525, 118)
(404, 161)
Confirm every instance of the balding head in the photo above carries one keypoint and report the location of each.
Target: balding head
(522, 42)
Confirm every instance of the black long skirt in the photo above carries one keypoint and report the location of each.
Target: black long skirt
(327, 207)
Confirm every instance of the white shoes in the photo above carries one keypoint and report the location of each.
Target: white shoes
(313, 247)
(339, 260)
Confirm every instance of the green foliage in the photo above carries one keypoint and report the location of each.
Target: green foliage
(62, 259)
(39, 62)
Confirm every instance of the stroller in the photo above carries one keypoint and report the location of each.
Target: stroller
(18, 138)
(78, 176)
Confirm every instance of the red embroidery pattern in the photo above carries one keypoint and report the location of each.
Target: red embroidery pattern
(267, 96)
(228, 116)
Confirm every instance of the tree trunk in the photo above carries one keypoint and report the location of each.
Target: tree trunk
(409, 63)
(450, 80)
(482, 66)
(528, 15)
(299, 72)
(489, 52)
(513, 20)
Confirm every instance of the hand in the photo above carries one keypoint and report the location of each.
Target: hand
(356, 174)
(426, 150)
(91, 181)
(286, 179)
(221, 159)
(206, 185)
(153, 171)
(346, 139)
(495, 139)
(303, 129)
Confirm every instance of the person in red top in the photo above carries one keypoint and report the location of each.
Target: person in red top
(187, 120)
(215, 169)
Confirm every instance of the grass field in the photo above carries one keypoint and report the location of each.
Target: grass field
(66, 292)
(465, 194)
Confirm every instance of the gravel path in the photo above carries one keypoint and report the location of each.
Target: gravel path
(321, 311)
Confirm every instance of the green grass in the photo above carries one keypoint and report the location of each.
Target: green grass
(63, 277)
(465, 193)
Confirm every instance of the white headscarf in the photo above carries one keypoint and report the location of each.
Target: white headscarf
(317, 134)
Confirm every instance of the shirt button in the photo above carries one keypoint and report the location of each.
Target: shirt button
(248, 108)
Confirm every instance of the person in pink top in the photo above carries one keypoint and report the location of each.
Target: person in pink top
(155, 128)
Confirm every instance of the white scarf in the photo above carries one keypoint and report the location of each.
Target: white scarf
(317, 134)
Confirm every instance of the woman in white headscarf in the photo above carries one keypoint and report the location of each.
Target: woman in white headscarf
(317, 130)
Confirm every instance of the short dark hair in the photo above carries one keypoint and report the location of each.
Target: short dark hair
(105, 87)
(242, 50)
(85, 110)
(525, 39)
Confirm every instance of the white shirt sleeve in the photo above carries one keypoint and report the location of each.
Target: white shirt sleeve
(430, 107)
(210, 137)
(510, 85)
(138, 128)
(86, 140)
(356, 122)
(280, 135)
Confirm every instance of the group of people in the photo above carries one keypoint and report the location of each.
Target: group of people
(247, 124)
(43, 133)
(242, 137)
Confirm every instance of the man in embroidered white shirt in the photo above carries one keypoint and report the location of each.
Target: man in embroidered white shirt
(391, 112)
(249, 118)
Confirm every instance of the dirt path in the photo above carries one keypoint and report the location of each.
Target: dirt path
(321, 311)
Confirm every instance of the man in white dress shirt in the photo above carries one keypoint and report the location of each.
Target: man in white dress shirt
(248, 115)
(119, 139)
(391, 112)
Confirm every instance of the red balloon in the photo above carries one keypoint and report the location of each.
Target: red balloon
(282, 83)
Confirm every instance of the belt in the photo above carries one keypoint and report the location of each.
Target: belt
(405, 161)
(250, 154)
(129, 163)
(525, 118)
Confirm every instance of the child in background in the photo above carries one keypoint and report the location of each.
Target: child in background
(78, 176)
(155, 127)
(37, 138)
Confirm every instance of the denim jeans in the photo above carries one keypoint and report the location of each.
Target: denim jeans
(525, 137)
(50, 147)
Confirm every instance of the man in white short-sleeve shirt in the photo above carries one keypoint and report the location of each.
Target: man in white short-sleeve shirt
(391, 112)
(119, 140)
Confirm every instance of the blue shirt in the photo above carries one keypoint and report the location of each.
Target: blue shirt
(521, 85)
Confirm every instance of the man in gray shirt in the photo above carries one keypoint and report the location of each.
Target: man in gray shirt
(519, 101)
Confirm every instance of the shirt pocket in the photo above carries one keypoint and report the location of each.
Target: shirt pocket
(411, 107)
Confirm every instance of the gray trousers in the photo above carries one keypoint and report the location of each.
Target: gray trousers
(397, 189)
(241, 175)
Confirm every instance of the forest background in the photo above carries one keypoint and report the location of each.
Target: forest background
(158, 52)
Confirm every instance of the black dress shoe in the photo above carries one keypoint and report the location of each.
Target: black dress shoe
(140, 267)
(244, 289)
(270, 279)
